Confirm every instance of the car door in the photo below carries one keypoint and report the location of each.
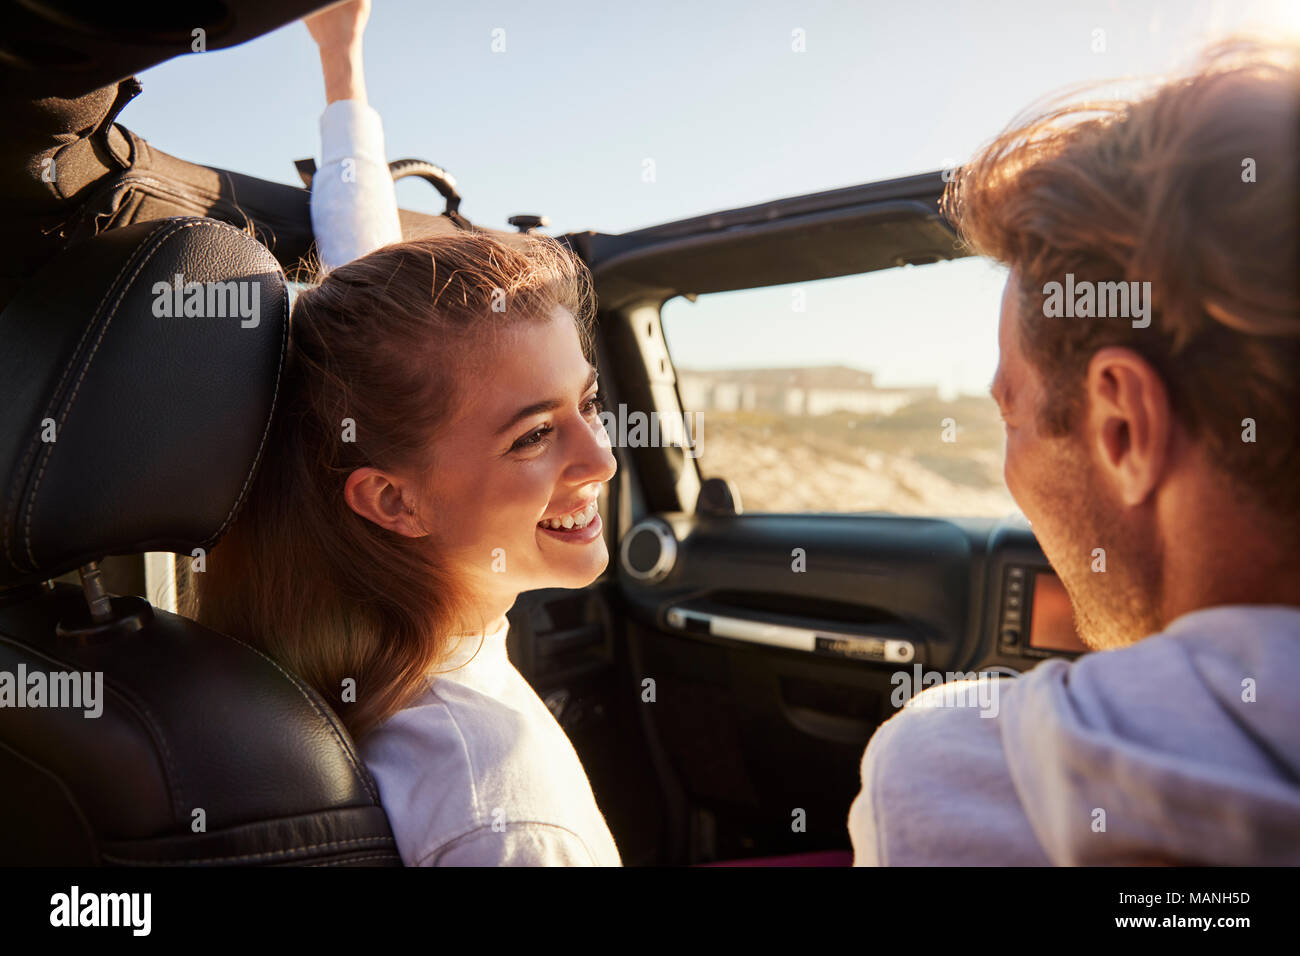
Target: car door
(721, 681)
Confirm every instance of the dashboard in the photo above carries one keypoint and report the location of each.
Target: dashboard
(1037, 619)
(1030, 616)
(882, 590)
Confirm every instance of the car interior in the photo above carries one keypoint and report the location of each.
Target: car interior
(709, 686)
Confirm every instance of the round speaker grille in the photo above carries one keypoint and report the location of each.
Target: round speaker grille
(649, 550)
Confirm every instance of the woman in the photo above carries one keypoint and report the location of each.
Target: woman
(436, 450)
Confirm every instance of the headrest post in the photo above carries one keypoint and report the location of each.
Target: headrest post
(92, 585)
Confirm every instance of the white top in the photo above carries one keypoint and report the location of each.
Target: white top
(353, 202)
(476, 771)
(1181, 748)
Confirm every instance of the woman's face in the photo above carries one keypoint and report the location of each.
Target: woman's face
(526, 449)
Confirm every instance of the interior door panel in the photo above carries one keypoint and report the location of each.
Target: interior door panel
(757, 732)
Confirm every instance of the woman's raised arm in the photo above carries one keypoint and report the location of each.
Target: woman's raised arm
(353, 203)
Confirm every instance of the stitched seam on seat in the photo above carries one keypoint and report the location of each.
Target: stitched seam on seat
(292, 678)
(63, 788)
(275, 394)
(298, 683)
(174, 789)
(174, 228)
(189, 223)
(49, 452)
(31, 450)
(265, 855)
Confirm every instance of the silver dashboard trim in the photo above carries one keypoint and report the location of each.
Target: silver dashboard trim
(887, 650)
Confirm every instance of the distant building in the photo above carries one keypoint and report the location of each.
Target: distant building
(818, 390)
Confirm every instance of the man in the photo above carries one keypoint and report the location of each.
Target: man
(1153, 441)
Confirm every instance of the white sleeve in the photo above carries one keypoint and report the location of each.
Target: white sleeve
(353, 203)
(937, 791)
(519, 844)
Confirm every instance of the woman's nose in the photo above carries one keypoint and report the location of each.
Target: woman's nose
(593, 458)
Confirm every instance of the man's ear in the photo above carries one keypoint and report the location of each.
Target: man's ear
(1130, 421)
(378, 497)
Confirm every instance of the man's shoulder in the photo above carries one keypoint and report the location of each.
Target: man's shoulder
(935, 783)
(953, 723)
(1190, 692)
(1198, 662)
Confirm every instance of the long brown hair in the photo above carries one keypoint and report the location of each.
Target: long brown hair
(372, 374)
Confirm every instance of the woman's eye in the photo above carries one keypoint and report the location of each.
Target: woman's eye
(532, 439)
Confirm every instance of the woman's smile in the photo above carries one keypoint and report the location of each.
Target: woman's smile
(578, 517)
(575, 535)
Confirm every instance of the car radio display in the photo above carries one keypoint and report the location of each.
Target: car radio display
(1051, 627)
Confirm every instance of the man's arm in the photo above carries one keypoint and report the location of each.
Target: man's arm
(353, 203)
(936, 791)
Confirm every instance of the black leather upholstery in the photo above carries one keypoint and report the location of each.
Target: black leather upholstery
(157, 421)
(206, 751)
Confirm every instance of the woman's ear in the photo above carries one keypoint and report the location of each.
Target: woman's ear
(377, 497)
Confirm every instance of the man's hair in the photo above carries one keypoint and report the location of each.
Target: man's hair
(1193, 188)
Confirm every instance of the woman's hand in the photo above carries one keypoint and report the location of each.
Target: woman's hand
(337, 32)
(339, 26)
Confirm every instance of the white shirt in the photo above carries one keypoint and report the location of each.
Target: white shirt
(476, 772)
(353, 202)
(1181, 748)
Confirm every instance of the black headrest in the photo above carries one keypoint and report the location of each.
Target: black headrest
(138, 374)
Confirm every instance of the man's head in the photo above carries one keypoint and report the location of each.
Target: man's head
(1150, 337)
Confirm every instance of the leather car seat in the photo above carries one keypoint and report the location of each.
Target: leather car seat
(127, 428)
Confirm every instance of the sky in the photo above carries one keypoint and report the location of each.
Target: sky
(918, 325)
(561, 122)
